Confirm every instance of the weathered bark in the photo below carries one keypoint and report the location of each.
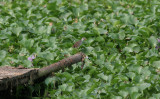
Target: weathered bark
(11, 77)
(60, 65)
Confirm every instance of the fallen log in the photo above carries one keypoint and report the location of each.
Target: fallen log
(11, 77)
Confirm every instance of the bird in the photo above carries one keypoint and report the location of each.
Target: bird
(79, 43)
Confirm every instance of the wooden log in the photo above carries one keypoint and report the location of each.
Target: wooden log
(60, 65)
(11, 77)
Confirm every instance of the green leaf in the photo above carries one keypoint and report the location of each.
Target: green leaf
(143, 86)
(70, 88)
(153, 41)
(89, 49)
(87, 77)
(92, 88)
(47, 55)
(156, 64)
(132, 90)
(100, 39)
(67, 75)
(136, 69)
(104, 77)
(52, 6)
(2, 54)
(157, 96)
(84, 6)
(27, 43)
(50, 80)
(114, 35)
(1, 21)
(116, 97)
(131, 75)
(17, 30)
(27, 63)
(146, 72)
(129, 19)
(132, 47)
(102, 31)
(136, 49)
(152, 98)
(112, 57)
(135, 95)
(109, 44)
(63, 87)
(123, 93)
(128, 49)
(121, 35)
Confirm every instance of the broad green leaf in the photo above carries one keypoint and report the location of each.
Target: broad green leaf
(102, 31)
(52, 5)
(67, 75)
(27, 63)
(50, 80)
(27, 43)
(152, 52)
(2, 54)
(136, 69)
(70, 88)
(104, 77)
(92, 88)
(89, 49)
(136, 49)
(131, 75)
(63, 87)
(157, 96)
(112, 57)
(116, 97)
(135, 95)
(116, 23)
(143, 86)
(128, 49)
(132, 90)
(109, 44)
(100, 39)
(129, 19)
(153, 41)
(114, 35)
(17, 30)
(152, 98)
(87, 77)
(156, 64)
(146, 72)
(47, 55)
(121, 35)
(99, 62)
(84, 7)
(123, 93)
(1, 21)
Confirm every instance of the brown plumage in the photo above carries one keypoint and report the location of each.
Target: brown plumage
(78, 43)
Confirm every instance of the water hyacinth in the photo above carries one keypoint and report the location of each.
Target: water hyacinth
(31, 58)
(157, 47)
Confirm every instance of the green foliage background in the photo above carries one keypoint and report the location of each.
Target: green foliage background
(121, 45)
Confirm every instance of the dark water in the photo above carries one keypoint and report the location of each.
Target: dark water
(24, 92)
